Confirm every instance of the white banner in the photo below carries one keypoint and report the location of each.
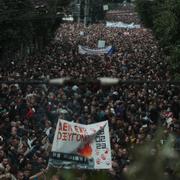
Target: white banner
(105, 7)
(81, 146)
(101, 44)
(122, 25)
(99, 51)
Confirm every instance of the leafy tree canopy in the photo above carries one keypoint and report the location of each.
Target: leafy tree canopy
(163, 16)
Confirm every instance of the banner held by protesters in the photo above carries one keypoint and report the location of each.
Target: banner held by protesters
(81, 146)
(122, 25)
(98, 51)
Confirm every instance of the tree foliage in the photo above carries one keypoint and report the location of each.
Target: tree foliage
(163, 16)
(145, 10)
(156, 159)
(13, 31)
(25, 28)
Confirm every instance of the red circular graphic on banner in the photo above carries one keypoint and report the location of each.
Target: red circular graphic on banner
(98, 161)
(108, 163)
(97, 152)
(107, 151)
(103, 157)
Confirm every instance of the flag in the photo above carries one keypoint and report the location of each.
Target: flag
(111, 51)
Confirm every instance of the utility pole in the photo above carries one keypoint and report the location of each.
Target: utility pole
(86, 12)
(79, 11)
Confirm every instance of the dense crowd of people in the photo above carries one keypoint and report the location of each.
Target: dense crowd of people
(39, 3)
(123, 16)
(29, 113)
(124, 13)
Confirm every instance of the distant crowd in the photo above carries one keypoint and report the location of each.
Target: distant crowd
(125, 14)
(29, 113)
